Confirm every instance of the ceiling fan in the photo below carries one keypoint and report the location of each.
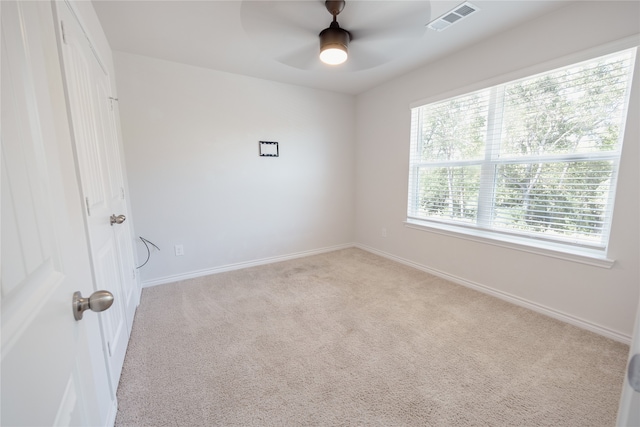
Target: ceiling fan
(370, 33)
(334, 41)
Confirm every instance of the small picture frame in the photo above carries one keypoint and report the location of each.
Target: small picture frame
(269, 149)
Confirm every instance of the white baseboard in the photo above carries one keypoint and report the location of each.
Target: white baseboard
(564, 317)
(567, 318)
(240, 265)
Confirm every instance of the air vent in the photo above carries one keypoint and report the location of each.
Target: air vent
(455, 15)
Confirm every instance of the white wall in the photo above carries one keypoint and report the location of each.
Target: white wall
(191, 145)
(603, 298)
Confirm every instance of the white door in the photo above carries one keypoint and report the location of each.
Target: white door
(93, 122)
(53, 367)
(629, 410)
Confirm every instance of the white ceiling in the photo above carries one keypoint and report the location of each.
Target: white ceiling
(278, 40)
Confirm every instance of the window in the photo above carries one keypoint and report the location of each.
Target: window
(532, 161)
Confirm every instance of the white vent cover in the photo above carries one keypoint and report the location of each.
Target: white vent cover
(454, 15)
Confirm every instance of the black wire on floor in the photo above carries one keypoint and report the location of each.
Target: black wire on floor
(145, 241)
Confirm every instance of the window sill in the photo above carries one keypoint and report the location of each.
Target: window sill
(587, 256)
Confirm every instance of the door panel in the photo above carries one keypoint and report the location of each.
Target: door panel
(23, 226)
(116, 334)
(79, 73)
(128, 271)
(53, 370)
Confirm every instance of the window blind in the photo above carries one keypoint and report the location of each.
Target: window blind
(535, 157)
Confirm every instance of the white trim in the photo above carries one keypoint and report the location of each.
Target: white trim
(241, 265)
(593, 257)
(113, 411)
(564, 317)
(584, 55)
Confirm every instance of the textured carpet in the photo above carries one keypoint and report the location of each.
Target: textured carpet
(350, 338)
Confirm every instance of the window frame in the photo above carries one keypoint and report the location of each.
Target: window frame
(592, 254)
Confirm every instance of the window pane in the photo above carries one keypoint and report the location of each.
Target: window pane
(554, 199)
(574, 110)
(450, 192)
(455, 129)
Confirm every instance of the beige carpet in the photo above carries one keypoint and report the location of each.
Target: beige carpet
(350, 338)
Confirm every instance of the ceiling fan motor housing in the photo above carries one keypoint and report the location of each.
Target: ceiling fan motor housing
(334, 36)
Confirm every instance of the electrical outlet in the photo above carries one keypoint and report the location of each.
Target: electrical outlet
(383, 232)
(179, 250)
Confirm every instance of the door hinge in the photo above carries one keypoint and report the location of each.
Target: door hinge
(64, 36)
(133, 276)
(122, 192)
(109, 348)
(111, 99)
(86, 202)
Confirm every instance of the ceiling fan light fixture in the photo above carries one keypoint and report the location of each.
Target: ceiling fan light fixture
(334, 45)
(333, 55)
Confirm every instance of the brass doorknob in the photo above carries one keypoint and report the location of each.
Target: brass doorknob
(98, 301)
(117, 219)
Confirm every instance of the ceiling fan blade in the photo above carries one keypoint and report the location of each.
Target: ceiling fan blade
(286, 31)
(303, 58)
(365, 54)
(388, 20)
(282, 19)
(364, 59)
